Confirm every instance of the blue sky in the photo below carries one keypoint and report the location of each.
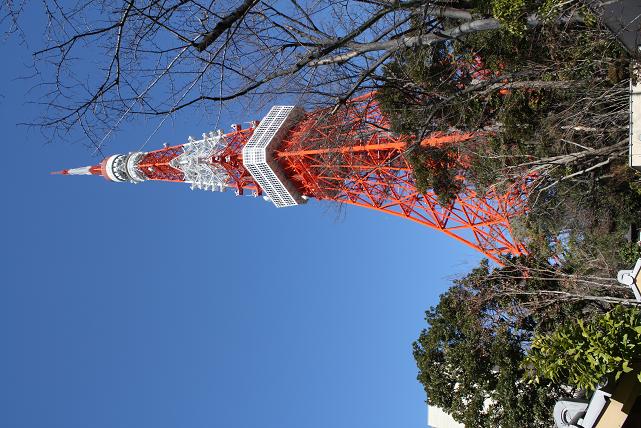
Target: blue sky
(155, 306)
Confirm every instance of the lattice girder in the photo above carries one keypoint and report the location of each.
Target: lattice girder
(347, 156)
(350, 158)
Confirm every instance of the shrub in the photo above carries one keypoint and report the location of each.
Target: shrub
(582, 354)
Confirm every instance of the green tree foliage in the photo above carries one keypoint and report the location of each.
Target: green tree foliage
(417, 83)
(469, 360)
(436, 168)
(472, 358)
(552, 104)
(584, 353)
(512, 14)
(592, 217)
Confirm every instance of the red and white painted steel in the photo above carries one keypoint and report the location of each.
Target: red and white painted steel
(347, 156)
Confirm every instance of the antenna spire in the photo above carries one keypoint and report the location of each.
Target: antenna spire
(85, 170)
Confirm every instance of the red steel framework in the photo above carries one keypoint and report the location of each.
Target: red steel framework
(349, 156)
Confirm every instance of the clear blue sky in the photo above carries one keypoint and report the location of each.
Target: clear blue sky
(155, 306)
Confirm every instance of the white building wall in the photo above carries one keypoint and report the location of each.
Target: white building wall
(437, 418)
(635, 117)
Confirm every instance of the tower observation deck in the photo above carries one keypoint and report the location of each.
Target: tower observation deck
(347, 156)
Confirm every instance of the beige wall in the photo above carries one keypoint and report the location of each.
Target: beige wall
(437, 418)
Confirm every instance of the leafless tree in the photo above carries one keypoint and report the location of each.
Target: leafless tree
(104, 62)
(549, 292)
(10, 11)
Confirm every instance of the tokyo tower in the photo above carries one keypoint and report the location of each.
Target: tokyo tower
(347, 156)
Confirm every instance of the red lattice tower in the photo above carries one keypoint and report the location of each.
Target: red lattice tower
(347, 156)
